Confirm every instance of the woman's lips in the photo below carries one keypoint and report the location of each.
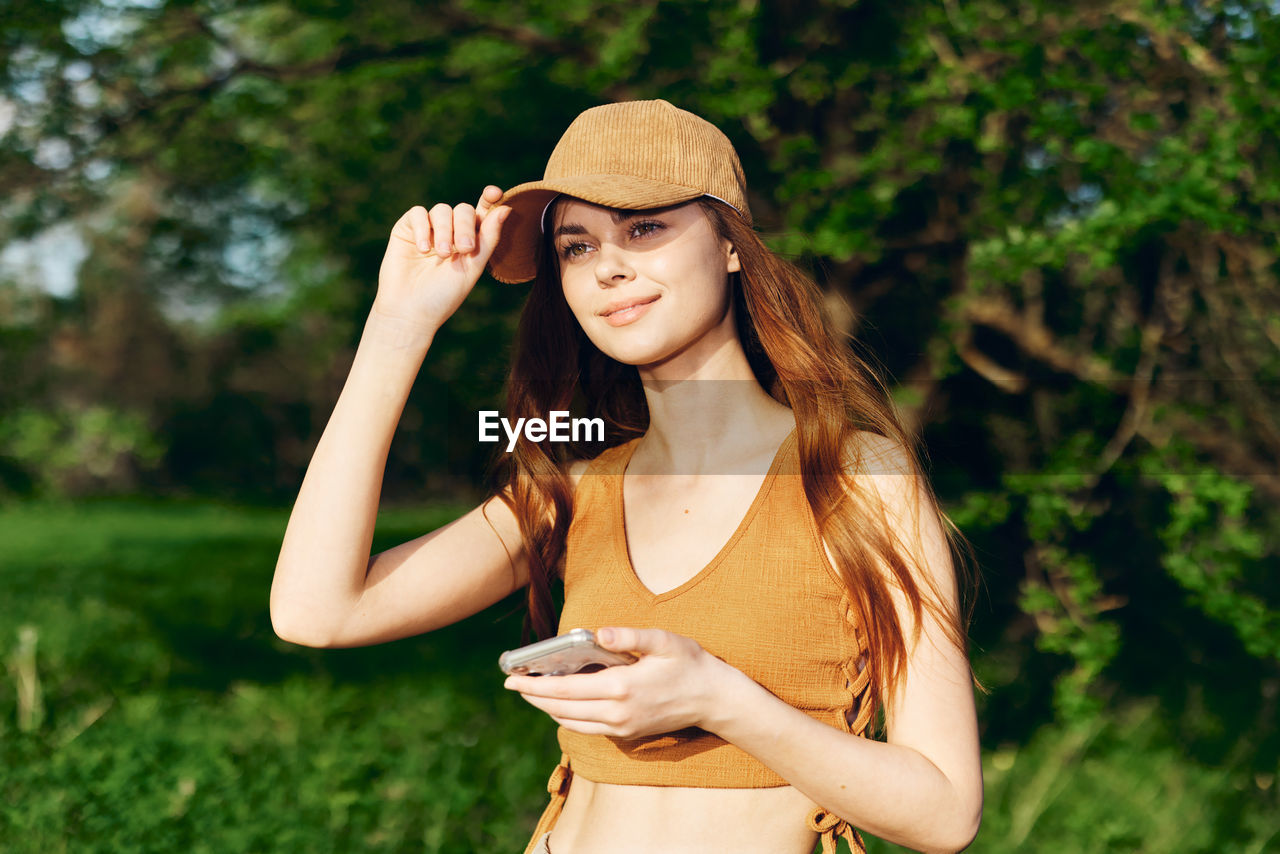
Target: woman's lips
(631, 313)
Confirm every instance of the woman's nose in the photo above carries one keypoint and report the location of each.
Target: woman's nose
(613, 267)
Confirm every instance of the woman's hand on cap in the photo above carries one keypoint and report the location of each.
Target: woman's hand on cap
(434, 258)
(448, 230)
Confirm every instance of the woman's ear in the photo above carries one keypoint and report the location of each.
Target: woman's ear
(734, 265)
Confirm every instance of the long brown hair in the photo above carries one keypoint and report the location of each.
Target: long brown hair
(801, 361)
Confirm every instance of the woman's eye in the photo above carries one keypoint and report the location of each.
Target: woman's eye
(573, 250)
(648, 226)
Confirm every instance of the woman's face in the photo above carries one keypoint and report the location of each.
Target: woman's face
(648, 287)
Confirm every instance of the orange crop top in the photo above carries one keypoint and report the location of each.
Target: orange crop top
(769, 603)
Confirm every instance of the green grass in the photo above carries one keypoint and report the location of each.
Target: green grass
(175, 720)
(172, 719)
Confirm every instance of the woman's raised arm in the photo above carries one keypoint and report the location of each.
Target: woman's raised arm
(327, 591)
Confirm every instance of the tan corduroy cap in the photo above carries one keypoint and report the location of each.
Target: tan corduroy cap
(634, 155)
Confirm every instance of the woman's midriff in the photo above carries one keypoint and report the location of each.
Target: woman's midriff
(604, 818)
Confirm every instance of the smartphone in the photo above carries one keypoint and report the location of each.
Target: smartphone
(574, 652)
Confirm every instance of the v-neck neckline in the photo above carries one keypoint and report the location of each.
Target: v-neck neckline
(623, 545)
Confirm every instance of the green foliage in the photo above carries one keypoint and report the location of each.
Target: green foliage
(176, 721)
(77, 450)
(387, 765)
(1122, 784)
(1210, 546)
(1063, 590)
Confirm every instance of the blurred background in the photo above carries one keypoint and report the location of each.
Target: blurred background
(1054, 223)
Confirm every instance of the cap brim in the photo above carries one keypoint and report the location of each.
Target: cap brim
(514, 259)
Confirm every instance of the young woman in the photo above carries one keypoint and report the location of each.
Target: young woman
(757, 531)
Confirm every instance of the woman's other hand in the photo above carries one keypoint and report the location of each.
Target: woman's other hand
(672, 686)
(434, 257)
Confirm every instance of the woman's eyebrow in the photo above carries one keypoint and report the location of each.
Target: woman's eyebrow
(568, 228)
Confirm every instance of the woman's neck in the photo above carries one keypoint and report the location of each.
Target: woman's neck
(714, 420)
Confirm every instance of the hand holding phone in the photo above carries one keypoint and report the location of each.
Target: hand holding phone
(574, 652)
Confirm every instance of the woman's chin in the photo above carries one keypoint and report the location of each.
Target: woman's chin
(635, 353)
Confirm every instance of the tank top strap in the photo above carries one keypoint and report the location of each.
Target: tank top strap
(558, 788)
(611, 461)
(602, 470)
(614, 460)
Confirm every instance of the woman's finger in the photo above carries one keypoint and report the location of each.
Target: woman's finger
(584, 727)
(490, 231)
(442, 229)
(421, 225)
(489, 197)
(464, 228)
(643, 641)
(599, 711)
(573, 686)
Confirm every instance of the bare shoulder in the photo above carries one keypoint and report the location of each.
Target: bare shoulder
(886, 472)
(870, 453)
(882, 479)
